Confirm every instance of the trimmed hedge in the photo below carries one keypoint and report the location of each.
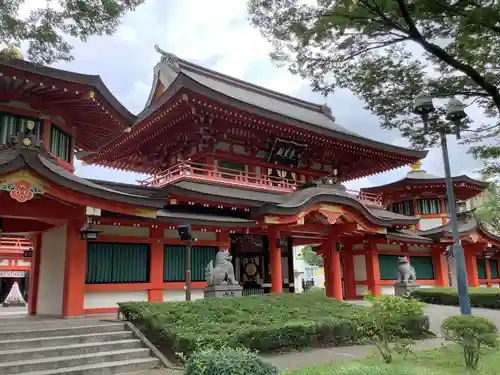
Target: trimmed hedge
(228, 361)
(264, 323)
(479, 297)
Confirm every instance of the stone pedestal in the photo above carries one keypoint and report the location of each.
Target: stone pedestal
(401, 289)
(228, 290)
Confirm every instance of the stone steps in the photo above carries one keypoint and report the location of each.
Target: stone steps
(84, 347)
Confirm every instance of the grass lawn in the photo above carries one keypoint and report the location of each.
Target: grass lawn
(264, 323)
(447, 360)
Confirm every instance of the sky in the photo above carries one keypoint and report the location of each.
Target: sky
(217, 35)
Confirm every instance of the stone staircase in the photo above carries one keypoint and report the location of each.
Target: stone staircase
(73, 347)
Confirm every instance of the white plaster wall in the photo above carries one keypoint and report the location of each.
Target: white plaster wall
(107, 299)
(388, 247)
(495, 285)
(359, 267)
(52, 265)
(118, 230)
(426, 224)
(483, 285)
(199, 235)
(180, 294)
(426, 286)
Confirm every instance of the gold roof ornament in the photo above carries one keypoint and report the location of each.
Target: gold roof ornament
(416, 166)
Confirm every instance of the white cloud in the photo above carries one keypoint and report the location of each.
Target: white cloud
(217, 34)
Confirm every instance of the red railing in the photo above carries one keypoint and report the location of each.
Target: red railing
(14, 244)
(189, 170)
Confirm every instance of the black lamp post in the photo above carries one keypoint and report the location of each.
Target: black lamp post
(455, 113)
(186, 236)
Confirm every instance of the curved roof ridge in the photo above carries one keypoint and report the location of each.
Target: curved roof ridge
(176, 61)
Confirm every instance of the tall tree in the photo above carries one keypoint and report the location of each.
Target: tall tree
(388, 51)
(309, 255)
(489, 210)
(45, 29)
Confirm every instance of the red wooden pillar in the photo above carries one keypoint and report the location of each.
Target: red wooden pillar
(157, 261)
(225, 241)
(334, 271)
(349, 280)
(471, 267)
(326, 268)
(74, 270)
(440, 267)
(275, 257)
(488, 272)
(372, 269)
(34, 275)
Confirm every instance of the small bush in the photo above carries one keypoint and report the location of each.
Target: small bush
(472, 333)
(264, 323)
(479, 297)
(388, 312)
(227, 361)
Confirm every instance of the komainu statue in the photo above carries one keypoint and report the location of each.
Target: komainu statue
(223, 271)
(406, 273)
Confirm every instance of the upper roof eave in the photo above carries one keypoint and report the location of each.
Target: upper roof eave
(409, 181)
(467, 223)
(93, 81)
(192, 85)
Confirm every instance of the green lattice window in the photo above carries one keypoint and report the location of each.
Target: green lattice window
(12, 125)
(403, 208)
(231, 168)
(429, 206)
(424, 267)
(175, 262)
(199, 167)
(388, 265)
(494, 268)
(60, 144)
(481, 268)
(117, 263)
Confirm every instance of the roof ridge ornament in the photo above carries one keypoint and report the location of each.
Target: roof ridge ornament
(417, 166)
(327, 111)
(168, 58)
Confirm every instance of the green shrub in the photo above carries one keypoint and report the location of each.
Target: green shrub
(479, 297)
(387, 313)
(471, 332)
(227, 361)
(264, 323)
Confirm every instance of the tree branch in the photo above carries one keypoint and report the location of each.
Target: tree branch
(440, 53)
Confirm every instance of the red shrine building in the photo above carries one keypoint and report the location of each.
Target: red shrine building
(252, 170)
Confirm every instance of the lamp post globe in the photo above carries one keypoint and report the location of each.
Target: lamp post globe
(423, 106)
(455, 112)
